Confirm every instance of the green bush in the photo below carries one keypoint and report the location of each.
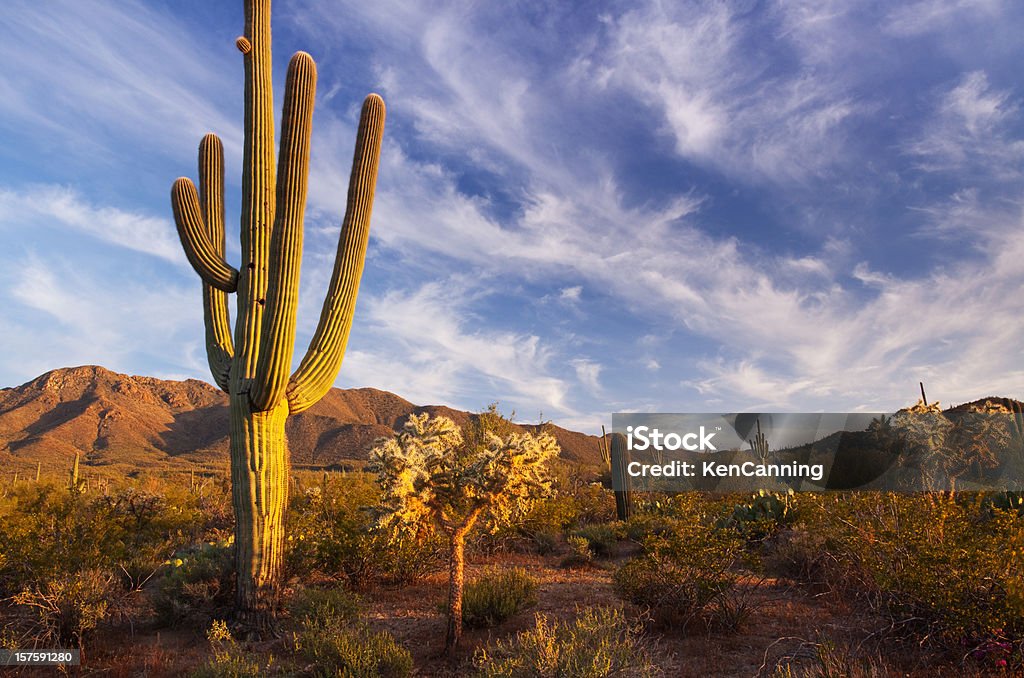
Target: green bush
(352, 652)
(196, 584)
(943, 566)
(763, 515)
(330, 532)
(497, 595)
(324, 607)
(640, 526)
(580, 554)
(228, 660)
(601, 537)
(332, 638)
(682, 574)
(50, 532)
(830, 661)
(598, 642)
(62, 610)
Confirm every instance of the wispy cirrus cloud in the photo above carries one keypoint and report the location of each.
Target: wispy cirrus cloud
(94, 78)
(425, 333)
(701, 66)
(792, 329)
(926, 16)
(970, 131)
(60, 208)
(778, 193)
(66, 314)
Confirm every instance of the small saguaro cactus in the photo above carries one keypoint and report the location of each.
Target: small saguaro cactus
(75, 483)
(759, 445)
(254, 367)
(622, 483)
(602, 446)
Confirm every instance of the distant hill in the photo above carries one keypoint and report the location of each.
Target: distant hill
(129, 422)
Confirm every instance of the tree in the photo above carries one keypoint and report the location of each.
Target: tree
(433, 474)
(253, 367)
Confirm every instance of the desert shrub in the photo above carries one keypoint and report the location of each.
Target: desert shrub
(544, 543)
(331, 637)
(640, 526)
(683, 573)
(763, 515)
(598, 642)
(228, 660)
(323, 607)
(61, 611)
(658, 514)
(352, 651)
(940, 566)
(579, 554)
(331, 531)
(601, 537)
(801, 555)
(548, 518)
(195, 585)
(49, 531)
(594, 504)
(539, 530)
(497, 595)
(929, 557)
(828, 660)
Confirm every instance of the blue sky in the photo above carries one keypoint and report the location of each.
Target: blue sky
(582, 207)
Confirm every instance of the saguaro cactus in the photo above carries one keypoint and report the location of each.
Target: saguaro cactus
(622, 483)
(254, 367)
(759, 445)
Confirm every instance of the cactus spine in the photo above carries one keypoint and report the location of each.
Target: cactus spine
(254, 366)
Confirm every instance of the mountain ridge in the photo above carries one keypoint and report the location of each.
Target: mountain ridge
(126, 421)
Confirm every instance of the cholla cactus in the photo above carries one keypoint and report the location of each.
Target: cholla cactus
(254, 366)
(429, 476)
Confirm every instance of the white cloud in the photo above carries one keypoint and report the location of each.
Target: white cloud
(969, 131)
(571, 294)
(98, 77)
(426, 350)
(722, 103)
(91, 318)
(588, 372)
(58, 207)
(926, 16)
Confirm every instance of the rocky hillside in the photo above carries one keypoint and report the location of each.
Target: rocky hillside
(125, 421)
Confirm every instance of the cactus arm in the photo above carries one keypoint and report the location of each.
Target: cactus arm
(258, 178)
(319, 367)
(219, 348)
(278, 333)
(199, 250)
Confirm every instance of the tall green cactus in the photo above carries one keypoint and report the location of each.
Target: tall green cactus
(622, 482)
(759, 445)
(254, 367)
